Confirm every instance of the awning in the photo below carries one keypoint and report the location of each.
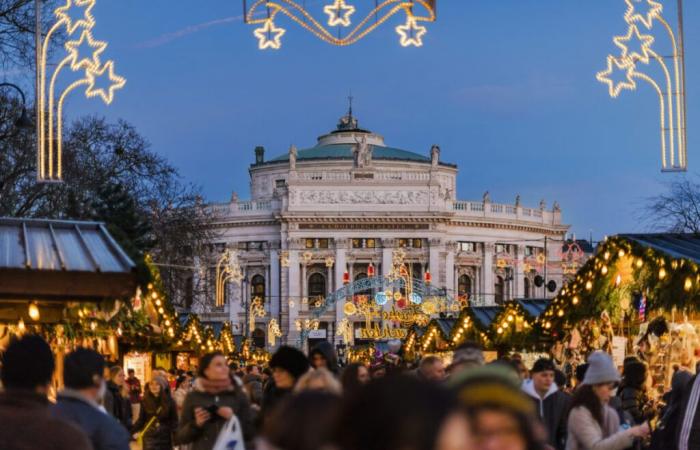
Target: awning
(674, 245)
(533, 306)
(486, 314)
(54, 261)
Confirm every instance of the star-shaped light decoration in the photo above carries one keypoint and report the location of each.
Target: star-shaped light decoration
(615, 88)
(634, 15)
(646, 41)
(86, 20)
(339, 13)
(269, 36)
(411, 33)
(116, 82)
(85, 62)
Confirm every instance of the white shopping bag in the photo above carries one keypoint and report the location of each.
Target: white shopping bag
(231, 436)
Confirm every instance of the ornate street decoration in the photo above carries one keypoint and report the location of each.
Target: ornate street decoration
(306, 257)
(634, 62)
(273, 332)
(256, 309)
(345, 330)
(330, 261)
(341, 15)
(83, 55)
(227, 269)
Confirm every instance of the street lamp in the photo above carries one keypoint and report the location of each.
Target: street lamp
(22, 122)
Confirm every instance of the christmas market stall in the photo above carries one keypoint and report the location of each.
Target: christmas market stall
(639, 295)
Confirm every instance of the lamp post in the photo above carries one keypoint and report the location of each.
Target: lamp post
(22, 122)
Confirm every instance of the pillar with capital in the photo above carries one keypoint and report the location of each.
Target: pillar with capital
(450, 279)
(340, 266)
(488, 288)
(434, 261)
(274, 293)
(519, 274)
(294, 296)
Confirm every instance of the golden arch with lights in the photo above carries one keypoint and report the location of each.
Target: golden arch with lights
(76, 21)
(634, 64)
(340, 14)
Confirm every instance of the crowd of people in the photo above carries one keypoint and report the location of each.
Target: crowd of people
(310, 402)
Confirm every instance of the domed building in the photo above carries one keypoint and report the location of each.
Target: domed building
(331, 213)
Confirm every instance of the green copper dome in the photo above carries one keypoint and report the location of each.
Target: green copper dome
(344, 151)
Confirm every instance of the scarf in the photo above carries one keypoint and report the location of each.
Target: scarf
(690, 412)
(213, 386)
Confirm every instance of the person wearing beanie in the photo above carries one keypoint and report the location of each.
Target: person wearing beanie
(551, 402)
(26, 423)
(288, 364)
(78, 402)
(467, 356)
(502, 416)
(593, 424)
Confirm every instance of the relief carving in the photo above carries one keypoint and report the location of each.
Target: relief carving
(361, 197)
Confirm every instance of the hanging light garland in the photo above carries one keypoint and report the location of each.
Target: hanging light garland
(340, 14)
(636, 57)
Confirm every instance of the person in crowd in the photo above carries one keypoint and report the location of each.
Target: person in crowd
(502, 417)
(665, 434)
(580, 373)
(266, 375)
(25, 420)
(431, 368)
(353, 377)
(552, 404)
(252, 382)
(466, 356)
(322, 355)
(400, 412)
(319, 380)
(83, 376)
(183, 387)
(633, 394)
(377, 370)
(560, 380)
(133, 385)
(119, 406)
(288, 364)
(304, 421)
(688, 422)
(592, 423)
(214, 399)
(521, 368)
(157, 421)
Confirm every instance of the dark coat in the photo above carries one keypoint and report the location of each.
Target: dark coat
(272, 396)
(103, 430)
(694, 439)
(326, 350)
(254, 387)
(633, 401)
(159, 434)
(554, 413)
(203, 438)
(118, 406)
(26, 424)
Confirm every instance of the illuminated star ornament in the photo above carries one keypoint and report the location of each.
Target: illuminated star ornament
(668, 83)
(83, 56)
(339, 12)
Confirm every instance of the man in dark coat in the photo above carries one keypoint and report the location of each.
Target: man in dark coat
(323, 355)
(25, 421)
(83, 375)
(552, 404)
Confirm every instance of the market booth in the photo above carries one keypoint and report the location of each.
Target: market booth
(639, 295)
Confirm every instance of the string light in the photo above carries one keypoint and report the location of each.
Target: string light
(662, 273)
(339, 13)
(411, 33)
(33, 311)
(269, 36)
(654, 12)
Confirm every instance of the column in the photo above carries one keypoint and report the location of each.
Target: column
(519, 274)
(340, 265)
(450, 272)
(489, 291)
(274, 293)
(295, 296)
(387, 258)
(329, 280)
(434, 261)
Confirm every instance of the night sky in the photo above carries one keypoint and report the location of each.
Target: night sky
(506, 88)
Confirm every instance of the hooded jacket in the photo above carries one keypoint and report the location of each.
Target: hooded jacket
(326, 350)
(159, 434)
(553, 410)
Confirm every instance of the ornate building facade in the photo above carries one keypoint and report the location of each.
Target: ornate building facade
(335, 212)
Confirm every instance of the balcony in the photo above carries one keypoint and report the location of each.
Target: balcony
(469, 209)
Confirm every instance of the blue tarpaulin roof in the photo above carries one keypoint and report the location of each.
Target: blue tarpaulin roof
(674, 245)
(533, 306)
(486, 314)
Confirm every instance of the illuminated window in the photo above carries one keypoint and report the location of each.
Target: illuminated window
(364, 243)
(309, 243)
(418, 243)
(323, 243)
(464, 286)
(371, 243)
(258, 286)
(403, 243)
(467, 246)
(357, 243)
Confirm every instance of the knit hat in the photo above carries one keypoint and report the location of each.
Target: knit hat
(543, 365)
(492, 386)
(291, 360)
(468, 354)
(601, 369)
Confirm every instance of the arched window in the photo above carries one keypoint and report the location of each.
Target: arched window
(526, 285)
(257, 286)
(500, 289)
(317, 285)
(464, 287)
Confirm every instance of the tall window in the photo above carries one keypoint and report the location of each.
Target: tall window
(500, 289)
(317, 285)
(464, 287)
(257, 286)
(526, 284)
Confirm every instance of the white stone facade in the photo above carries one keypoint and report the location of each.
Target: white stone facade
(350, 201)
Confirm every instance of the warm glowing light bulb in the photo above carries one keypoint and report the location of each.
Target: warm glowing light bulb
(662, 273)
(589, 285)
(640, 263)
(604, 270)
(21, 326)
(621, 253)
(618, 280)
(560, 313)
(688, 284)
(574, 300)
(606, 256)
(510, 318)
(33, 311)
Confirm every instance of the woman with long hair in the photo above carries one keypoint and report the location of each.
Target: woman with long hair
(215, 398)
(593, 424)
(157, 418)
(354, 377)
(319, 380)
(119, 406)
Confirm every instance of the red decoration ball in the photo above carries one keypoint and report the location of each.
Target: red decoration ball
(401, 303)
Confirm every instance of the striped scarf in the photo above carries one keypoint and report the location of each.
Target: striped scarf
(689, 416)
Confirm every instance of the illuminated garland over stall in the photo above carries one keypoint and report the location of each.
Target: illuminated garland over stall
(341, 15)
(634, 61)
(622, 275)
(83, 55)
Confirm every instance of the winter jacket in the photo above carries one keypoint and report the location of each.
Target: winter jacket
(326, 349)
(694, 438)
(634, 401)
(26, 424)
(103, 430)
(585, 433)
(253, 385)
(203, 438)
(272, 396)
(553, 410)
(118, 406)
(160, 432)
(134, 385)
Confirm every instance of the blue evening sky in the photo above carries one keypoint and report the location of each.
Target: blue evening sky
(506, 88)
